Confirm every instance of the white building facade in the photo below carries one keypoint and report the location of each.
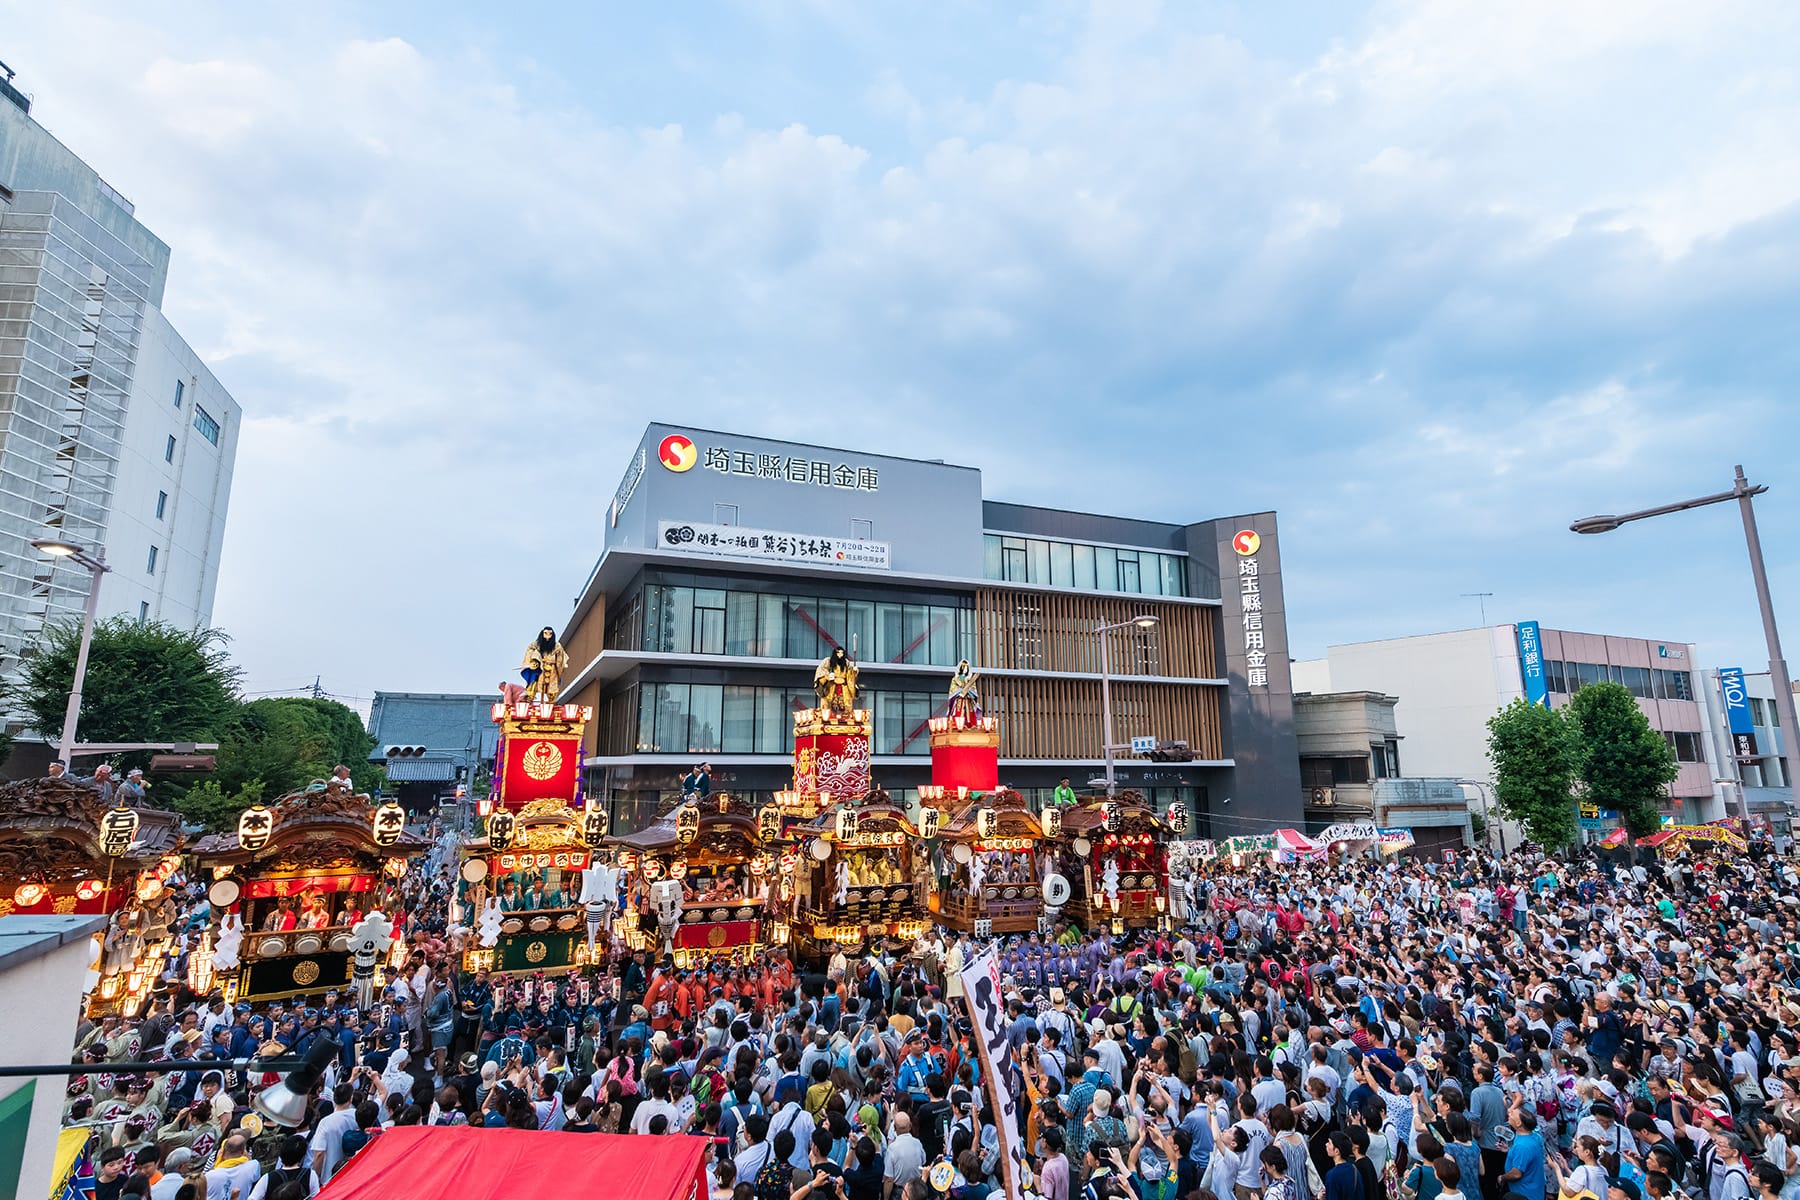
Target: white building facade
(113, 433)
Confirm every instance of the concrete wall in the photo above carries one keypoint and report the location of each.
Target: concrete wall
(47, 984)
(1447, 688)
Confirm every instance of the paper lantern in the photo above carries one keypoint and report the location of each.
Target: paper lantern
(987, 823)
(500, 829)
(28, 894)
(1052, 822)
(847, 824)
(118, 829)
(929, 818)
(768, 822)
(594, 826)
(1110, 816)
(387, 823)
(1178, 817)
(255, 824)
(687, 823)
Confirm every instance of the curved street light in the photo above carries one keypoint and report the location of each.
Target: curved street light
(96, 567)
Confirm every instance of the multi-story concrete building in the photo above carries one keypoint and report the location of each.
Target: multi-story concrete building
(1447, 685)
(1750, 742)
(733, 564)
(113, 434)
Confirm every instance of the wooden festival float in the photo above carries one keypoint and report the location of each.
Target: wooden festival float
(294, 878)
(858, 876)
(67, 850)
(520, 883)
(703, 880)
(1123, 849)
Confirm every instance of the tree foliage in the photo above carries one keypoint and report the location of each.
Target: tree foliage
(146, 681)
(285, 742)
(208, 805)
(1625, 764)
(1534, 757)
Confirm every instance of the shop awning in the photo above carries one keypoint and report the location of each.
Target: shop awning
(420, 770)
(472, 1163)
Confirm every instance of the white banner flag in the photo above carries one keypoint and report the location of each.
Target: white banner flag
(987, 1013)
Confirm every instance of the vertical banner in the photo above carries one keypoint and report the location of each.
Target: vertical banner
(1737, 712)
(981, 990)
(1531, 664)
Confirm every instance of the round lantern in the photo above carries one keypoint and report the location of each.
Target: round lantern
(1178, 817)
(87, 889)
(500, 829)
(593, 828)
(768, 822)
(1052, 822)
(929, 818)
(847, 824)
(1110, 816)
(687, 823)
(255, 824)
(678, 869)
(987, 823)
(28, 894)
(118, 829)
(387, 823)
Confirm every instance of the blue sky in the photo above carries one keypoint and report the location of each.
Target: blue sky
(1429, 277)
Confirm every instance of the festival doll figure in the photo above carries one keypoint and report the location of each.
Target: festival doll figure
(545, 661)
(965, 698)
(834, 682)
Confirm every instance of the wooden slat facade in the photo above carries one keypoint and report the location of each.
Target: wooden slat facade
(1060, 718)
(1054, 631)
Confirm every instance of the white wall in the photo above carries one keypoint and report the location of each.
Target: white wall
(48, 988)
(191, 530)
(1448, 685)
(1311, 675)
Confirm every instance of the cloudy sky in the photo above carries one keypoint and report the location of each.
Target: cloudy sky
(1429, 277)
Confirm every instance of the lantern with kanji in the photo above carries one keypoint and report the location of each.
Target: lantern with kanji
(928, 822)
(987, 823)
(1052, 821)
(388, 823)
(255, 824)
(500, 829)
(1109, 816)
(687, 823)
(1178, 818)
(653, 869)
(847, 824)
(593, 828)
(768, 822)
(118, 829)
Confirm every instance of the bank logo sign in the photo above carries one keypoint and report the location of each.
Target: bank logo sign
(1738, 717)
(677, 453)
(1247, 541)
(734, 541)
(1531, 663)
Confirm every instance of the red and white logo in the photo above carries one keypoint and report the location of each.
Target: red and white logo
(677, 453)
(1246, 541)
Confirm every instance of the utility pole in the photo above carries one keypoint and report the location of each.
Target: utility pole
(318, 693)
(1483, 598)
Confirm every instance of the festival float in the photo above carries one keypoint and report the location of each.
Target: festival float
(703, 880)
(291, 886)
(69, 851)
(859, 876)
(534, 887)
(1123, 849)
(1719, 837)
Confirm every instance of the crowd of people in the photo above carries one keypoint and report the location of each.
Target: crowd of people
(1508, 1029)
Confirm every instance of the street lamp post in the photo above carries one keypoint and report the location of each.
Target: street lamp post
(1742, 491)
(1106, 729)
(96, 566)
(1488, 828)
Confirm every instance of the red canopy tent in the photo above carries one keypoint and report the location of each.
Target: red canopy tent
(472, 1163)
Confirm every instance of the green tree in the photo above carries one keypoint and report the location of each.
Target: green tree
(1534, 759)
(208, 805)
(1625, 764)
(146, 681)
(285, 742)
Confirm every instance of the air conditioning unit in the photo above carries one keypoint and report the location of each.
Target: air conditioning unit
(1324, 797)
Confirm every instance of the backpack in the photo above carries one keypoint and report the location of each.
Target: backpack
(772, 1179)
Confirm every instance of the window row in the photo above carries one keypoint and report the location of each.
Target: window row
(1764, 712)
(1083, 567)
(1646, 683)
(710, 718)
(689, 620)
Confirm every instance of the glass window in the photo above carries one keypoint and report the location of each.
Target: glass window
(990, 556)
(678, 620)
(740, 623)
(1378, 758)
(709, 621)
(1106, 568)
(1775, 717)
(890, 642)
(646, 738)
(859, 623)
(209, 428)
(671, 717)
(162, 502)
(1591, 673)
(739, 716)
(942, 639)
(1150, 573)
(1637, 679)
(1038, 553)
(1393, 758)
(965, 633)
(890, 712)
(143, 611)
(150, 565)
(1679, 686)
(1062, 565)
(774, 722)
(169, 450)
(914, 739)
(1014, 556)
(705, 717)
(912, 631)
(180, 390)
(802, 628)
(832, 630)
(771, 627)
(1174, 581)
(1084, 567)
(1756, 711)
(1553, 676)
(1128, 572)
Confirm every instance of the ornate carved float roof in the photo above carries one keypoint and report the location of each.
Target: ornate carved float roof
(1135, 813)
(53, 826)
(329, 817)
